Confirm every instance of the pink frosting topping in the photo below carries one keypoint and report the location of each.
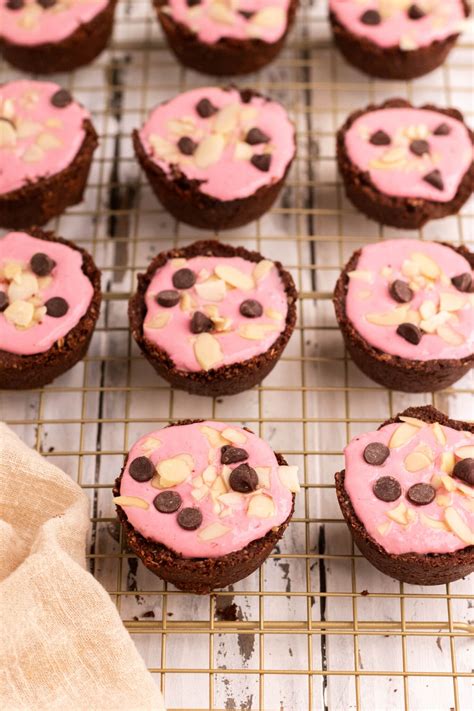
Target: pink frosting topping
(421, 273)
(37, 138)
(35, 23)
(419, 453)
(225, 289)
(212, 20)
(400, 23)
(206, 134)
(411, 153)
(32, 318)
(186, 463)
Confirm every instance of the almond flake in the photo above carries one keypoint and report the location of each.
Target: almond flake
(262, 269)
(464, 488)
(33, 154)
(412, 421)
(427, 309)
(263, 476)
(439, 433)
(159, 320)
(389, 318)
(174, 469)
(232, 498)
(458, 526)
(213, 436)
(209, 474)
(150, 444)
(181, 127)
(275, 315)
(448, 483)
(161, 148)
(450, 336)
(234, 436)
(227, 118)
(197, 482)
(428, 266)
(207, 351)
(234, 277)
(186, 303)
(214, 530)
(242, 151)
(200, 493)
(218, 488)
(447, 462)
(211, 290)
(407, 43)
(384, 528)
(436, 481)
(209, 151)
(449, 301)
(12, 271)
(433, 522)
(361, 275)
(416, 461)
(23, 288)
(48, 141)
(289, 477)
(432, 324)
(256, 331)
(399, 514)
(20, 313)
(132, 501)
(443, 500)
(269, 17)
(7, 134)
(402, 435)
(261, 506)
(465, 452)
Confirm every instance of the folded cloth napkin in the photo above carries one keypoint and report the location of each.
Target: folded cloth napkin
(62, 643)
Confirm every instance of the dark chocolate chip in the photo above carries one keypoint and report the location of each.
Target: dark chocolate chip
(232, 455)
(250, 308)
(380, 138)
(61, 98)
(464, 470)
(167, 501)
(376, 453)
(186, 145)
(442, 130)
(421, 494)
(193, 3)
(435, 179)
(419, 147)
(371, 17)
(262, 162)
(41, 264)
(184, 279)
(243, 479)
(415, 12)
(3, 301)
(141, 469)
(200, 323)
(46, 3)
(246, 13)
(256, 136)
(387, 489)
(410, 333)
(205, 108)
(56, 307)
(190, 519)
(462, 282)
(15, 4)
(168, 298)
(400, 291)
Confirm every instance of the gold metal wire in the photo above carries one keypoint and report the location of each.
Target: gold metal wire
(107, 385)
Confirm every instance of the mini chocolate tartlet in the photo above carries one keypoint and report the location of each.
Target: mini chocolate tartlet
(49, 36)
(220, 39)
(406, 311)
(407, 495)
(47, 142)
(216, 158)
(49, 304)
(213, 319)
(203, 504)
(394, 40)
(403, 166)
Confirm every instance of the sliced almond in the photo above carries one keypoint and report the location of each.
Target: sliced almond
(24, 288)
(436, 481)
(209, 150)
(20, 313)
(361, 275)
(234, 436)
(48, 141)
(427, 309)
(197, 482)
(275, 315)
(262, 269)
(450, 336)
(159, 320)
(213, 436)
(407, 43)
(186, 302)
(410, 269)
(449, 301)
(431, 325)
(439, 433)
(243, 151)
(174, 469)
(211, 290)
(428, 266)
(44, 282)
(269, 17)
(261, 506)
(448, 483)
(12, 271)
(232, 498)
(411, 516)
(447, 462)
(132, 501)
(7, 134)
(183, 126)
(416, 461)
(412, 421)
(178, 262)
(227, 118)
(464, 488)
(389, 318)
(384, 528)
(207, 351)
(217, 507)
(225, 474)
(150, 444)
(209, 474)
(402, 435)
(399, 514)
(443, 500)
(214, 530)
(256, 331)
(393, 155)
(289, 477)
(200, 493)
(386, 272)
(433, 522)
(465, 452)
(33, 154)
(162, 148)
(263, 476)
(218, 488)
(458, 526)
(234, 277)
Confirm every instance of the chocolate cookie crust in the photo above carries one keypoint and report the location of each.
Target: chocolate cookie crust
(228, 56)
(18, 372)
(405, 213)
(199, 575)
(391, 62)
(413, 568)
(35, 203)
(80, 48)
(228, 379)
(183, 198)
(392, 371)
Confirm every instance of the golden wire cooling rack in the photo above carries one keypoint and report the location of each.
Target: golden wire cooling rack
(317, 627)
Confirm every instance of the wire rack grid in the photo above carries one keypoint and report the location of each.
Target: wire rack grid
(317, 627)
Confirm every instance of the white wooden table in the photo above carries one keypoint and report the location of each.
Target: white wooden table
(317, 627)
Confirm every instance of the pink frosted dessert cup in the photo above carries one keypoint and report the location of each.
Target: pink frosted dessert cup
(406, 312)
(407, 495)
(49, 305)
(403, 166)
(54, 36)
(216, 158)
(213, 319)
(203, 503)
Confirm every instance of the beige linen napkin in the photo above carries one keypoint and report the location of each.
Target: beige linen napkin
(62, 644)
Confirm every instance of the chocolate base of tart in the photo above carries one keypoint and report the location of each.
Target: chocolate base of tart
(25, 372)
(227, 379)
(35, 203)
(199, 575)
(392, 371)
(390, 62)
(402, 212)
(79, 48)
(413, 568)
(228, 56)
